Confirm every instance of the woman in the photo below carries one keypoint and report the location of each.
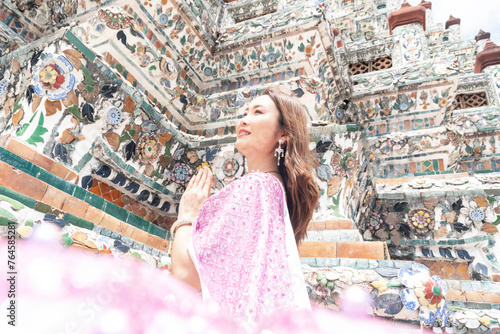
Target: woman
(239, 246)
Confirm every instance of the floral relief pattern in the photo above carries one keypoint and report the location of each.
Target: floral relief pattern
(229, 165)
(425, 293)
(148, 148)
(53, 77)
(345, 163)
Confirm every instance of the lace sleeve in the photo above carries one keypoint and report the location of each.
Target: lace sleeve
(239, 241)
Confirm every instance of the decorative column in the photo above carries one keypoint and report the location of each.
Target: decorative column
(428, 16)
(407, 26)
(488, 61)
(481, 39)
(453, 29)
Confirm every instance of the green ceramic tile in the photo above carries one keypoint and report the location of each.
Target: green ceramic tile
(452, 242)
(79, 193)
(94, 200)
(157, 186)
(80, 46)
(18, 162)
(42, 207)
(130, 169)
(138, 222)
(157, 230)
(28, 201)
(56, 181)
(116, 211)
(78, 221)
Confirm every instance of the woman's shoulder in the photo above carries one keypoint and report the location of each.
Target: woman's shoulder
(261, 181)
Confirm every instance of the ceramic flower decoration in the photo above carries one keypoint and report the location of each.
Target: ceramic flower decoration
(421, 220)
(53, 76)
(425, 293)
(228, 166)
(472, 212)
(148, 148)
(181, 173)
(344, 164)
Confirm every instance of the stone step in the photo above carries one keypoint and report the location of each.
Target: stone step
(335, 230)
(333, 235)
(376, 250)
(332, 224)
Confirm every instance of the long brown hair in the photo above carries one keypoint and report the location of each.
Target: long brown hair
(296, 169)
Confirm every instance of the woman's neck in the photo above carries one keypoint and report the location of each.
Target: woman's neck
(264, 164)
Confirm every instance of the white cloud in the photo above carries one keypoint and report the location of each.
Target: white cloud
(474, 15)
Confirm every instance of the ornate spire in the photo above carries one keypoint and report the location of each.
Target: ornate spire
(407, 14)
(451, 21)
(488, 57)
(482, 35)
(426, 4)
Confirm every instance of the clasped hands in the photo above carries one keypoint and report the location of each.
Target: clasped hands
(197, 191)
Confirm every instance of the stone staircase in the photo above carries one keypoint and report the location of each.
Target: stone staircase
(338, 239)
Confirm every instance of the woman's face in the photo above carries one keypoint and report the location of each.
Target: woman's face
(258, 131)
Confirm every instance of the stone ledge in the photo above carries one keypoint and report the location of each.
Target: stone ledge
(38, 159)
(42, 197)
(336, 224)
(376, 250)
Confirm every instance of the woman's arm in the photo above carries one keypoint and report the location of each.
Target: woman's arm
(195, 195)
(182, 266)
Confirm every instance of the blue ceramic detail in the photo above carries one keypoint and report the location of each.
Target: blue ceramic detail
(178, 154)
(121, 247)
(104, 171)
(339, 113)
(130, 150)
(144, 195)
(390, 302)
(426, 316)
(181, 172)
(165, 207)
(114, 115)
(211, 154)
(420, 269)
(271, 58)
(409, 300)
(149, 126)
(155, 201)
(3, 85)
(463, 254)
(481, 268)
(163, 19)
(61, 152)
(87, 182)
(362, 185)
(120, 180)
(133, 187)
(208, 71)
(324, 172)
(476, 215)
(214, 114)
(323, 146)
(403, 106)
(427, 252)
(445, 252)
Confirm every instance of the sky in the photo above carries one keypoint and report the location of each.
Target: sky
(474, 15)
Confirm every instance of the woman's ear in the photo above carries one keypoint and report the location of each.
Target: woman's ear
(284, 137)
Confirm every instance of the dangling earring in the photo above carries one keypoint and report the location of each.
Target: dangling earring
(279, 151)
